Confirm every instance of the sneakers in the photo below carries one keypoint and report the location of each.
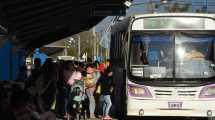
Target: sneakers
(67, 116)
(107, 117)
(100, 116)
(92, 116)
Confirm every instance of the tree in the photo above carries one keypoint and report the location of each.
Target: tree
(173, 6)
(176, 7)
(89, 43)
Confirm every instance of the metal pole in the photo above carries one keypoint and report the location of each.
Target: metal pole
(97, 50)
(152, 7)
(94, 44)
(65, 51)
(192, 8)
(79, 47)
(65, 48)
(206, 6)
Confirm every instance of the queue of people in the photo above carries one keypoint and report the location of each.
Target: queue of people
(98, 81)
(30, 99)
(95, 77)
(46, 93)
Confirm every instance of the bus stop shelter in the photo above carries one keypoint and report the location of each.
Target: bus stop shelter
(28, 24)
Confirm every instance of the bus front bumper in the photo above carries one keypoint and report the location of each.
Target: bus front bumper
(195, 108)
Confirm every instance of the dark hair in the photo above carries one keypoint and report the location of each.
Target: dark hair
(19, 98)
(90, 65)
(107, 71)
(37, 61)
(96, 62)
(81, 64)
(76, 63)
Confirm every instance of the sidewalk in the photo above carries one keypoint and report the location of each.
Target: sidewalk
(87, 119)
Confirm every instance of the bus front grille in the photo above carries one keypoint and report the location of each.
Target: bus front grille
(174, 94)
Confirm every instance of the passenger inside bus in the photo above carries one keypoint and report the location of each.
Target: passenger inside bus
(153, 58)
(194, 54)
(143, 57)
(193, 64)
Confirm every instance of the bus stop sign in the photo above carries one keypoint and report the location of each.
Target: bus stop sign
(108, 8)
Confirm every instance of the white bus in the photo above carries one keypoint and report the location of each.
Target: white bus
(164, 65)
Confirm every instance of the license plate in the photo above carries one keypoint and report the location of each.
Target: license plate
(175, 105)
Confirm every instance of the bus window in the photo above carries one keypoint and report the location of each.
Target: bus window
(190, 60)
(151, 54)
(192, 56)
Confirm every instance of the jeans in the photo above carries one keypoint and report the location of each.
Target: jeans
(106, 104)
(92, 104)
(66, 100)
(100, 105)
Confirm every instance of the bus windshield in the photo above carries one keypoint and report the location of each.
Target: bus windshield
(172, 55)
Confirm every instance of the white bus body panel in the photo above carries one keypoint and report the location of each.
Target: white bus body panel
(209, 24)
(192, 106)
(160, 108)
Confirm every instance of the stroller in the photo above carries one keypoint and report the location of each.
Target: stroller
(77, 96)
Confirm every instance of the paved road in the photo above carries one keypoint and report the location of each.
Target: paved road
(89, 119)
(138, 118)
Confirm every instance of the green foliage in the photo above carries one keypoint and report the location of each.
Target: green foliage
(89, 44)
(72, 51)
(176, 7)
(172, 7)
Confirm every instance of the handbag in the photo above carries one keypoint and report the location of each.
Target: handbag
(98, 89)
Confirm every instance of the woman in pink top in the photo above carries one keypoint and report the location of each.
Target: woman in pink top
(70, 77)
(67, 73)
(76, 75)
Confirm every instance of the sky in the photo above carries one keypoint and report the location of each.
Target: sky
(139, 8)
(144, 8)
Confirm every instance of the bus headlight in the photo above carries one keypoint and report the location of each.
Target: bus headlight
(139, 91)
(208, 92)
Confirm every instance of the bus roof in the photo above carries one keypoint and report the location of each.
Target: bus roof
(123, 25)
(168, 21)
(175, 14)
